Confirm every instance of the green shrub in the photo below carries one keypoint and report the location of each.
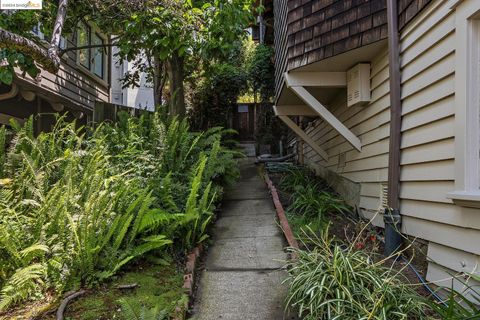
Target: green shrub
(215, 98)
(299, 176)
(314, 204)
(333, 281)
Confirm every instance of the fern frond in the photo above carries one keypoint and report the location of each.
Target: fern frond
(130, 310)
(156, 218)
(33, 251)
(21, 285)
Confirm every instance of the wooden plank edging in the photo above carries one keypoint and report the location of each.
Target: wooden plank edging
(287, 231)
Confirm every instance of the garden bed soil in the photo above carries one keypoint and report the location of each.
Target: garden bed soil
(346, 229)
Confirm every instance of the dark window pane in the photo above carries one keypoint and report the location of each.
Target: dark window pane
(98, 56)
(83, 39)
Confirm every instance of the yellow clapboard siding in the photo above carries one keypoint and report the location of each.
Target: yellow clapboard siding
(375, 175)
(428, 171)
(371, 189)
(442, 49)
(374, 162)
(441, 89)
(438, 150)
(453, 259)
(430, 76)
(411, 47)
(438, 110)
(452, 236)
(370, 203)
(430, 132)
(433, 191)
(447, 213)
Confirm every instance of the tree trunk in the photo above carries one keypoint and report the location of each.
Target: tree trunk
(176, 77)
(158, 81)
(57, 32)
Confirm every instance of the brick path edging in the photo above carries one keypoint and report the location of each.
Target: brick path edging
(287, 231)
(188, 281)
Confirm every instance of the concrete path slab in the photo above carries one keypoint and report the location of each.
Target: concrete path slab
(242, 295)
(246, 226)
(243, 272)
(247, 253)
(247, 207)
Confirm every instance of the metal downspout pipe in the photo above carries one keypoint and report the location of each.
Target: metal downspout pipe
(392, 217)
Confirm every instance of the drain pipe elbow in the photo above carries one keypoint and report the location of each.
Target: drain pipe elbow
(393, 235)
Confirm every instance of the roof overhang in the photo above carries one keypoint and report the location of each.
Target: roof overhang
(307, 89)
(339, 63)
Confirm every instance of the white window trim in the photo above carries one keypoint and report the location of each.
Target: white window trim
(467, 105)
(93, 30)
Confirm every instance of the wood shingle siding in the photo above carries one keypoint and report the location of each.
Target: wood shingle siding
(320, 29)
(307, 31)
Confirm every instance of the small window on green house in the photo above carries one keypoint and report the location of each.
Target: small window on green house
(94, 58)
(83, 39)
(98, 56)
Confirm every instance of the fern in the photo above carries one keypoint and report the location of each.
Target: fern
(134, 310)
(22, 284)
(3, 136)
(79, 204)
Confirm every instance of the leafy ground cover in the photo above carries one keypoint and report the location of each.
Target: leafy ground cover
(78, 205)
(340, 272)
(158, 292)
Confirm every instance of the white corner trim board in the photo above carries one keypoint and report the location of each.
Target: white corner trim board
(292, 125)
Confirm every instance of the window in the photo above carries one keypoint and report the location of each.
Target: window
(94, 59)
(98, 56)
(83, 39)
(37, 30)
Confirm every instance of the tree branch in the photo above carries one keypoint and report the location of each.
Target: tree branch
(92, 46)
(57, 33)
(16, 42)
(48, 58)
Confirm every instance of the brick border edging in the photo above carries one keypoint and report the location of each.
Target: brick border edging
(188, 281)
(287, 231)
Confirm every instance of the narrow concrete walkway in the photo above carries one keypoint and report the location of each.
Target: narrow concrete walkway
(242, 277)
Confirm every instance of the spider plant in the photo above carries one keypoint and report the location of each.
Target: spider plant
(458, 305)
(297, 176)
(335, 281)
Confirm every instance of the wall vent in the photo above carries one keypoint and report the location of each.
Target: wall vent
(383, 197)
(358, 85)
